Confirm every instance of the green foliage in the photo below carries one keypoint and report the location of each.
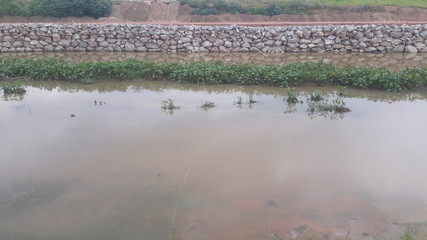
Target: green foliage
(258, 10)
(376, 78)
(292, 8)
(65, 8)
(12, 7)
(12, 88)
(214, 7)
(288, 75)
(206, 7)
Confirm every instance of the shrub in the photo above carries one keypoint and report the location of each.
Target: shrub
(75, 8)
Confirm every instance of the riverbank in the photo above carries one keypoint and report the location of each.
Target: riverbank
(160, 38)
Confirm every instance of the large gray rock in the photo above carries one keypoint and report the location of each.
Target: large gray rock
(64, 43)
(56, 37)
(10, 39)
(207, 44)
(17, 44)
(185, 40)
(129, 47)
(151, 45)
(218, 43)
(48, 48)
(410, 49)
(399, 49)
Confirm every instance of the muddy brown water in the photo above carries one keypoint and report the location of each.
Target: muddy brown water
(394, 61)
(128, 170)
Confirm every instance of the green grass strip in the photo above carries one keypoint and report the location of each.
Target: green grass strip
(287, 75)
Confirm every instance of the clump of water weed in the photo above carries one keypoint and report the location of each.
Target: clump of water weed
(207, 105)
(336, 106)
(169, 106)
(13, 88)
(239, 102)
(251, 99)
(315, 96)
(292, 96)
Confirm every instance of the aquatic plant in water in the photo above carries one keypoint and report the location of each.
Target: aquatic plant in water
(239, 102)
(207, 105)
(169, 105)
(315, 96)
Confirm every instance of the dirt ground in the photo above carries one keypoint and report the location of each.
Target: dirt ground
(160, 13)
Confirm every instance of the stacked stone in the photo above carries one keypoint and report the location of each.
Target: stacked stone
(157, 38)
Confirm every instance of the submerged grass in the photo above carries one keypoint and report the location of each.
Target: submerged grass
(288, 75)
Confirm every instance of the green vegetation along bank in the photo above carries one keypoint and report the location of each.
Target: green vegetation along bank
(56, 8)
(289, 75)
(292, 7)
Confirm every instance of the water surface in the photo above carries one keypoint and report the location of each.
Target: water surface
(128, 170)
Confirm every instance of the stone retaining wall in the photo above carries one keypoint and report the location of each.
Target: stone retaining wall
(157, 38)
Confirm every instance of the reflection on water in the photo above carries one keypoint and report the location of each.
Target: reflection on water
(126, 170)
(395, 61)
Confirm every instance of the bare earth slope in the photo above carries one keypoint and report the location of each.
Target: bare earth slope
(159, 13)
